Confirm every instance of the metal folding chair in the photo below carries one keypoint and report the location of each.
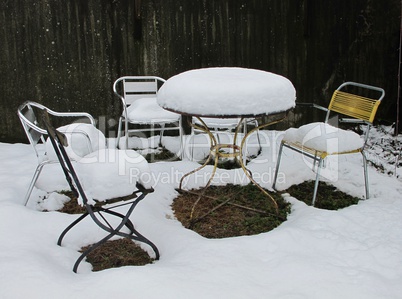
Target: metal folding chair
(138, 98)
(36, 133)
(97, 211)
(359, 103)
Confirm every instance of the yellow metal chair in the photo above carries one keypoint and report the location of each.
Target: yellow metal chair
(358, 102)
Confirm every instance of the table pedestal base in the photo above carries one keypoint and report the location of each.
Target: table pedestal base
(217, 151)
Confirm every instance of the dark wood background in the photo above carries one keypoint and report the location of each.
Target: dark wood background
(66, 54)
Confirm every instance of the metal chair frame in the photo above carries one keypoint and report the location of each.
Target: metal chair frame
(131, 88)
(360, 109)
(97, 211)
(37, 134)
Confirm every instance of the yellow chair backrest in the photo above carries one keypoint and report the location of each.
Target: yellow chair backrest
(354, 105)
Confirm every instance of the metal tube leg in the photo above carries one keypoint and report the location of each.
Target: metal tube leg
(317, 180)
(192, 136)
(89, 250)
(182, 144)
(161, 133)
(138, 237)
(182, 139)
(278, 162)
(68, 228)
(118, 133)
(365, 175)
(126, 133)
(33, 182)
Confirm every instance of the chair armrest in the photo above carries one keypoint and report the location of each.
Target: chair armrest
(354, 121)
(358, 122)
(61, 114)
(142, 189)
(312, 105)
(73, 114)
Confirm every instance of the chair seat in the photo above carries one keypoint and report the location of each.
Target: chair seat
(219, 123)
(324, 138)
(147, 110)
(126, 167)
(82, 140)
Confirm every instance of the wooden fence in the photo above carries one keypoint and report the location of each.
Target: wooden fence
(66, 54)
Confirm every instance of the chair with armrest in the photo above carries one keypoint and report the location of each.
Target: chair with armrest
(84, 137)
(103, 211)
(138, 98)
(358, 104)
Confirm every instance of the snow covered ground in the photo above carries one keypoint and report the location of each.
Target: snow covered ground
(351, 253)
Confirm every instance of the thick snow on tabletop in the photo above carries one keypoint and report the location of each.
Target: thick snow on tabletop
(227, 91)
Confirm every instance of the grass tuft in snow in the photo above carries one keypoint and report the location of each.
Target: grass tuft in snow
(248, 212)
(117, 253)
(328, 197)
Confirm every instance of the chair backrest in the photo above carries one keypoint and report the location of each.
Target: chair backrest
(34, 127)
(27, 115)
(360, 103)
(59, 141)
(131, 88)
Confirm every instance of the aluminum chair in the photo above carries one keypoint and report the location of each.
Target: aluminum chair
(36, 133)
(98, 211)
(138, 97)
(359, 103)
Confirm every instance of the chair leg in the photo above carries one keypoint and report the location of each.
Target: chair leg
(119, 133)
(317, 180)
(135, 235)
(89, 250)
(278, 162)
(128, 223)
(161, 134)
(259, 142)
(258, 137)
(38, 170)
(125, 221)
(181, 149)
(192, 136)
(366, 182)
(79, 219)
(126, 132)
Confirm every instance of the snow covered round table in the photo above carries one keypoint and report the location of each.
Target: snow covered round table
(228, 92)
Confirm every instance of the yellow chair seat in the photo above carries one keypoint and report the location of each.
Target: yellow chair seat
(323, 139)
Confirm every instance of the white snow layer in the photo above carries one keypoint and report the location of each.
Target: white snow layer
(227, 91)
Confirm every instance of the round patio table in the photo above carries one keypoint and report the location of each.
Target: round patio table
(228, 92)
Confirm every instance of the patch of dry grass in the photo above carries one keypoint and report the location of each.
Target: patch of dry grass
(328, 197)
(232, 219)
(117, 253)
